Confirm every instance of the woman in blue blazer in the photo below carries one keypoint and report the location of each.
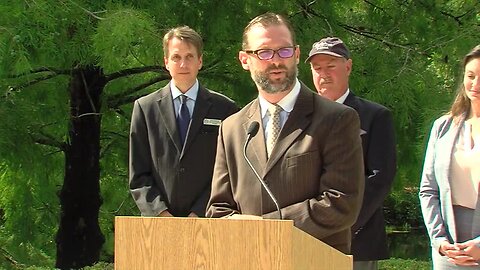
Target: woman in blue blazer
(449, 189)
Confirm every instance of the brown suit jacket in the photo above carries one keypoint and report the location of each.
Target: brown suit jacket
(163, 175)
(315, 169)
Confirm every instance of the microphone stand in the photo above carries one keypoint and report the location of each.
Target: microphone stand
(252, 131)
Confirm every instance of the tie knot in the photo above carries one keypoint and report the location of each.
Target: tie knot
(274, 109)
(183, 99)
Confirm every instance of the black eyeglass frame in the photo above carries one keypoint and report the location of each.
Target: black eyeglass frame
(256, 52)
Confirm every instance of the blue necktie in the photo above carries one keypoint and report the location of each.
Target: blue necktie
(183, 119)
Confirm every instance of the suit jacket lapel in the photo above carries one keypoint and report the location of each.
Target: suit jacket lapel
(202, 106)
(165, 103)
(256, 150)
(351, 101)
(446, 144)
(297, 122)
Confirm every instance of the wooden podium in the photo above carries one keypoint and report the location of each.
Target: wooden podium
(203, 243)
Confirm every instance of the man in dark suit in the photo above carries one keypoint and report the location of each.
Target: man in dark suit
(173, 134)
(307, 151)
(331, 66)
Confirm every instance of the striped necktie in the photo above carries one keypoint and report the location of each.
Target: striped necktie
(273, 127)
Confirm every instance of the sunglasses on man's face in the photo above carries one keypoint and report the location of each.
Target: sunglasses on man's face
(267, 54)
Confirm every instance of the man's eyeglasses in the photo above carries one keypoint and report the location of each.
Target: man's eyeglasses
(267, 54)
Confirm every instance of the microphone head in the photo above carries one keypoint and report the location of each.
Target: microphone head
(253, 129)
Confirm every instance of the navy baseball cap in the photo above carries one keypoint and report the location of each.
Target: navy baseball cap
(331, 46)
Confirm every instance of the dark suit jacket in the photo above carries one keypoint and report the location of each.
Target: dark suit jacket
(315, 169)
(162, 174)
(378, 140)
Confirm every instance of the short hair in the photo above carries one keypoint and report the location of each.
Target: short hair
(462, 104)
(266, 20)
(186, 34)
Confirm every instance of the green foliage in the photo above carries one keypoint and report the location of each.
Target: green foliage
(100, 266)
(402, 209)
(391, 264)
(30, 212)
(409, 244)
(403, 264)
(406, 56)
(126, 37)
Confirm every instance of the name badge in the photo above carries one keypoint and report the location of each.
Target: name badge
(212, 122)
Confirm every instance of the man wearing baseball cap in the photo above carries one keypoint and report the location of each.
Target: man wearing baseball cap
(331, 66)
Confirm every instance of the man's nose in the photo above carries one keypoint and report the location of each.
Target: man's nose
(322, 74)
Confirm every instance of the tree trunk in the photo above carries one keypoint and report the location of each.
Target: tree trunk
(79, 238)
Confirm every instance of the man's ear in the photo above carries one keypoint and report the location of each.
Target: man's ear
(243, 57)
(349, 66)
(165, 61)
(200, 59)
(297, 54)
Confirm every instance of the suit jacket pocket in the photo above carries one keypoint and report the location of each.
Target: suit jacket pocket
(209, 129)
(301, 159)
(302, 174)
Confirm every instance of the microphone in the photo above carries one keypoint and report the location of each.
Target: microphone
(251, 132)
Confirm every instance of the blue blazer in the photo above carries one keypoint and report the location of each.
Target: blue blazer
(435, 194)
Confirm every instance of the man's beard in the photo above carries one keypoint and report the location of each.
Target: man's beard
(262, 80)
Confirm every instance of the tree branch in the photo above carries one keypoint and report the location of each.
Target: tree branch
(30, 83)
(39, 70)
(305, 9)
(53, 73)
(87, 11)
(115, 212)
(377, 7)
(43, 138)
(115, 101)
(137, 70)
(384, 41)
(122, 113)
(8, 257)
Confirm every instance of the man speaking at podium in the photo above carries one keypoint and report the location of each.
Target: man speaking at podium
(290, 153)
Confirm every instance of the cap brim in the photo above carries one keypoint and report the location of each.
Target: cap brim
(326, 52)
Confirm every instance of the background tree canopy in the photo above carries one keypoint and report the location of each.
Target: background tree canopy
(70, 70)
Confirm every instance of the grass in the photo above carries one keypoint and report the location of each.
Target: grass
(391, 264)
(404, 264)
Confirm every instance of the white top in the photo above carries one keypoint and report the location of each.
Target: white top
(465, 169)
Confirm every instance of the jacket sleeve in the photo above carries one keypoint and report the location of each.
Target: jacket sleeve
(142, 185)
(222, 202)
(429, 193)
(380, 162)
(199, 206)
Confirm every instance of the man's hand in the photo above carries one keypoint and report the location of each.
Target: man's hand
(165, 213)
